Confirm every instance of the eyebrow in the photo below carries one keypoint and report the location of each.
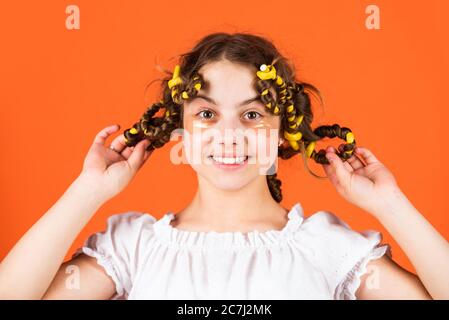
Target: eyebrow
(209, 99)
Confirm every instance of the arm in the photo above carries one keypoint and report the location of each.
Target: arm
(29, 268)
(427, 250)
(81, 278)
(364, 181)
(386, 280)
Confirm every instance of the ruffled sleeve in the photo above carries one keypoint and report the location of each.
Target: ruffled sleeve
(340, 252)
(116, 248)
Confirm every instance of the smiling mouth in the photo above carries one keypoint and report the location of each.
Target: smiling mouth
(229, 160)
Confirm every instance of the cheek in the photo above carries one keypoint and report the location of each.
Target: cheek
(198, 124)
(264, 141)
(195, 125)
(197, 143)
(267, 122)
(264, 147)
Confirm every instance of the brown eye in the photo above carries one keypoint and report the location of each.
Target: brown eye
(207, 114)
(253, 115)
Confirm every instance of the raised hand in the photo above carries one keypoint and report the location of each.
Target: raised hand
(362, 180)
(112, 169)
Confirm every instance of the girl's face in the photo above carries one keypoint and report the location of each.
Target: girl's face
(227, 120)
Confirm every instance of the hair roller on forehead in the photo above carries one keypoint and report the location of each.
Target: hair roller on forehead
(275, 81)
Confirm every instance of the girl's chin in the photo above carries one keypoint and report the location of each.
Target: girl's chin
(233, 186)
(227, 181)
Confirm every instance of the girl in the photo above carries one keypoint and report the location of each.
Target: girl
(233, 240)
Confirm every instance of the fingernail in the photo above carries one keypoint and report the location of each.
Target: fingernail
(329, 157)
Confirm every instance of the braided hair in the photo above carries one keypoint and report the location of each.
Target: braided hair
(292, 102)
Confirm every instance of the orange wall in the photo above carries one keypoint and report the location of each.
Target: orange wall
(59, 87)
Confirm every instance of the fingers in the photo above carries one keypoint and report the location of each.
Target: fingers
(336, 170)
(137, 157)
(127, 151)
(119, 143)
(353, 163)
(101, 137)
(367, 155)
(146, 155)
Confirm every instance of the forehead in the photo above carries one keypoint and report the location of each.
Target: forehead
(223, 77)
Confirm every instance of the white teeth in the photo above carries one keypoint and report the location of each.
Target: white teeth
(237, 160)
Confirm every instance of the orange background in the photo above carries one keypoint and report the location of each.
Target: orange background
(59, 87)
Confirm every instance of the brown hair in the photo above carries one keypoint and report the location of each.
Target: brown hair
(292, 99)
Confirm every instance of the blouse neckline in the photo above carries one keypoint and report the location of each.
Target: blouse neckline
(172, 235)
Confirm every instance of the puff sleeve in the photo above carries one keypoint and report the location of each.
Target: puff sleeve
(116, 248)
(341, 252)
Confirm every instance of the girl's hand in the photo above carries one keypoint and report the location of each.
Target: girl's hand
(366, 186)
(112, 170)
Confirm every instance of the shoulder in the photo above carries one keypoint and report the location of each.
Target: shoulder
(341, 253)
(130, 220)
(326, 227)
(130, 225)
(120, 246)
(123, 230)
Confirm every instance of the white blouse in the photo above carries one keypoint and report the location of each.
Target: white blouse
(318, 257)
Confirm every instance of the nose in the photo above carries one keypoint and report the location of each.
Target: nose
(230, 129)
(230, 135)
